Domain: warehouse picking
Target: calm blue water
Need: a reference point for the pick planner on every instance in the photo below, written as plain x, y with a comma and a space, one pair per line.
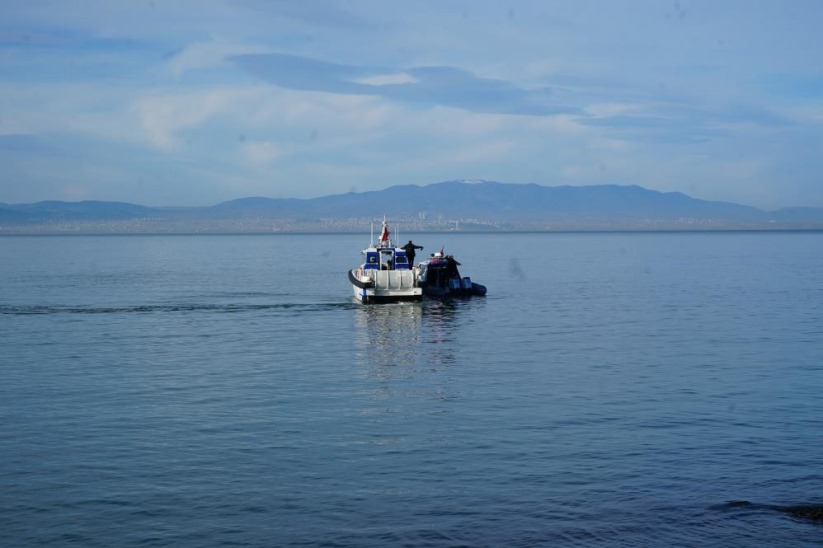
612, 389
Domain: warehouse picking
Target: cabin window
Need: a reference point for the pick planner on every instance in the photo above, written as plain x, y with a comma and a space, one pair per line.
371, 260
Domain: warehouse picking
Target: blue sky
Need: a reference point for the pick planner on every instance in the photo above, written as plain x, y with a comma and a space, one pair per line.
194, 102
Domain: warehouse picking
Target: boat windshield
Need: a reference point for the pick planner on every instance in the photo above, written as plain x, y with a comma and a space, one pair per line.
387, 259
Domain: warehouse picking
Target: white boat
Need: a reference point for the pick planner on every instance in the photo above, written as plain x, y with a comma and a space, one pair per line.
386, 274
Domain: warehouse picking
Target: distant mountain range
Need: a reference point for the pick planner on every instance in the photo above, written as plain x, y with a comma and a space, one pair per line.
480, 205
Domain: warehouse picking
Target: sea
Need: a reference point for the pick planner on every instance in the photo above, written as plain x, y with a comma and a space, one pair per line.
611, 389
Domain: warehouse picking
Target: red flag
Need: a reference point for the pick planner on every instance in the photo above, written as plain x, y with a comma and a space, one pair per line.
384, 237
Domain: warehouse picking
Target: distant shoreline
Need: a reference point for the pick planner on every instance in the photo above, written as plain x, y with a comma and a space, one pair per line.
451, 206
44, 233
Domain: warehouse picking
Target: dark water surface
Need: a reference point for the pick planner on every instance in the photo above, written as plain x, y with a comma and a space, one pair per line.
612, 389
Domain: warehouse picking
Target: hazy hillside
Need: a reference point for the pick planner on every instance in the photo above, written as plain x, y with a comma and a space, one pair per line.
496, 202
479, 205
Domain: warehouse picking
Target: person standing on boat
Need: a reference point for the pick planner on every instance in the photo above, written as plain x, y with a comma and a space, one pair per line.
409, 248
451, 267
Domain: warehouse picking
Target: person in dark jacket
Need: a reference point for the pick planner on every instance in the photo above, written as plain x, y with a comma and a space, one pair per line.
409, 248
451, 267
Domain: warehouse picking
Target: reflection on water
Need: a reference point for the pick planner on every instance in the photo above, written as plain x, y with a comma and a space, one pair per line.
412, 335
388, 335
402, 348
439, 318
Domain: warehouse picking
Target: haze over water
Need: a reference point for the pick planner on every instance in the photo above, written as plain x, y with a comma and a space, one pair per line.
611, 389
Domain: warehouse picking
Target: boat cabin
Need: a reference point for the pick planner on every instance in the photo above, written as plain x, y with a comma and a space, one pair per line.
439, 271
386, 258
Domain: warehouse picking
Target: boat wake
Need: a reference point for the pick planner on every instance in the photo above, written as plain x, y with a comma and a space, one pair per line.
23, 310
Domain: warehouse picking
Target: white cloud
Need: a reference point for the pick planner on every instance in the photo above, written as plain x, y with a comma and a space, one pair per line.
262, 153
164, 116
387, 79
208, 55
612, 109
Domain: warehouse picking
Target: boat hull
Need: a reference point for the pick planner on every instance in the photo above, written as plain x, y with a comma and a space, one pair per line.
435, 292
385, 286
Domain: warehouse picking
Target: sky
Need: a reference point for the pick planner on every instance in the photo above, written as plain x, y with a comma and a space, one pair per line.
195, 102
